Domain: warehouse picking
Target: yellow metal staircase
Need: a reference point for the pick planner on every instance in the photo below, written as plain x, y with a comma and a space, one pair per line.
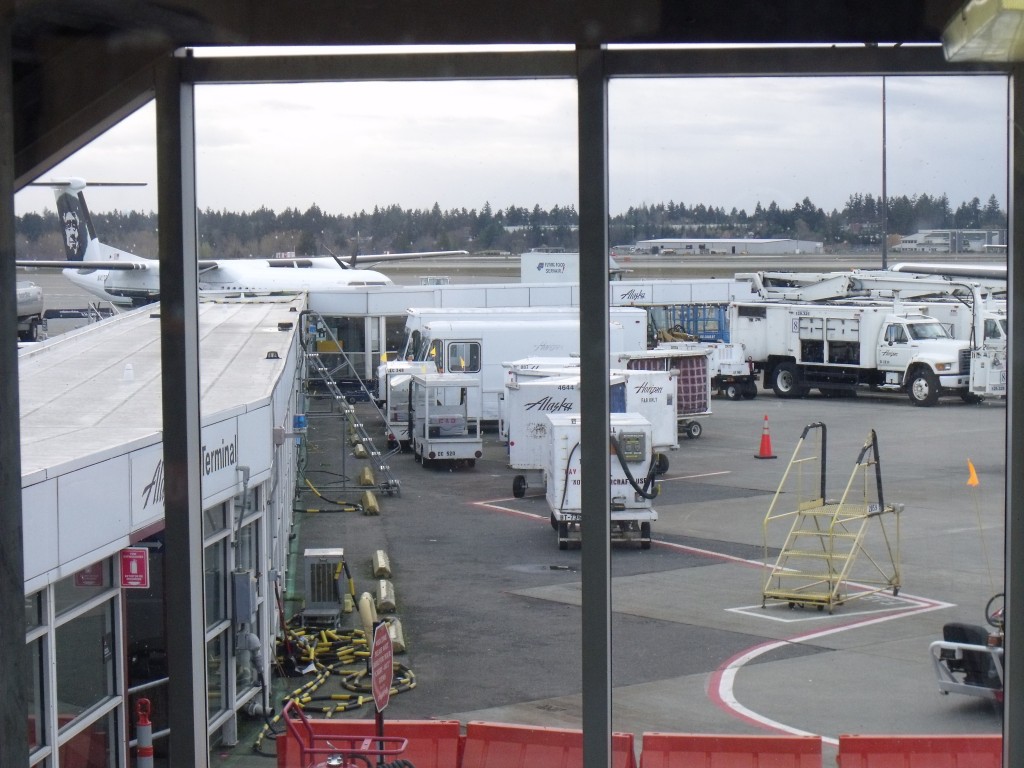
824, 559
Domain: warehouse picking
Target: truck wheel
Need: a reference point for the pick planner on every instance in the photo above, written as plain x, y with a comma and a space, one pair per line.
923, 387
786, 381
519, 486
732, 391
645, 535
749, 390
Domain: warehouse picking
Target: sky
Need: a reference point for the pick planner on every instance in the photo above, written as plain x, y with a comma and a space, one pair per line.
730, 143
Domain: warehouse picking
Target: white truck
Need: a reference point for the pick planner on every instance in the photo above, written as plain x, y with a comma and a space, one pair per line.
970, 308
479, 346
30, 310
838, 348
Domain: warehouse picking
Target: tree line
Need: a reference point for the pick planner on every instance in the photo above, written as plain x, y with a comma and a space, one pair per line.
515, 229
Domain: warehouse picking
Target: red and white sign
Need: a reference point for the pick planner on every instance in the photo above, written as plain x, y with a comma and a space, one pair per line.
382, 657
135, 568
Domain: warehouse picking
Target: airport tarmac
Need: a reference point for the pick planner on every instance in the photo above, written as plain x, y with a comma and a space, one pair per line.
490, 607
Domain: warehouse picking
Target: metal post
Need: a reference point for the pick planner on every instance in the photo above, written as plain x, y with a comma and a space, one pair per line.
14, 702
1013, 670
179, 338
595, 557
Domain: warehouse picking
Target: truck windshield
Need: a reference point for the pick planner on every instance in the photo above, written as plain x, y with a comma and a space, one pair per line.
921, 331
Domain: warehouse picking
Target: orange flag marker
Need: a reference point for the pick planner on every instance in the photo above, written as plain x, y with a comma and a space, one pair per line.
972, 479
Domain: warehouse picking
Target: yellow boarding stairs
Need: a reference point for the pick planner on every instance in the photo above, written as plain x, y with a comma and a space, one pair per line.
825, 559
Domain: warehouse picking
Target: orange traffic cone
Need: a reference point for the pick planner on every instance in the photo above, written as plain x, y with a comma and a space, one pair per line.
766, 442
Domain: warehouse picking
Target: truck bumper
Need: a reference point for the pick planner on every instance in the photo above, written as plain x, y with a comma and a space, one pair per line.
955, 381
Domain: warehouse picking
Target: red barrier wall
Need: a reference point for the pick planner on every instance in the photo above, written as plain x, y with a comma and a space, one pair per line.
924, 751
432, 743
497, 745
679, 750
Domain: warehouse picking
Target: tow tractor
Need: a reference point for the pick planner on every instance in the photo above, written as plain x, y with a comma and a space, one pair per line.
969, 658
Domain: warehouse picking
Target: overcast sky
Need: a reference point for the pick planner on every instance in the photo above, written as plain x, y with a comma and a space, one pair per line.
731, 143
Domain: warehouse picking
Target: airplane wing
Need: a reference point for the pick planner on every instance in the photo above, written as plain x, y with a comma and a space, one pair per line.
376, 258
113, 265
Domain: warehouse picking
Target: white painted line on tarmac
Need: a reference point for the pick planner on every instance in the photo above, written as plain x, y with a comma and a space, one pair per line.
722, 684
781, 612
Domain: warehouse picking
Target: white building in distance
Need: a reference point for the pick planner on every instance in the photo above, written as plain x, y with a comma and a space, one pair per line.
709, 246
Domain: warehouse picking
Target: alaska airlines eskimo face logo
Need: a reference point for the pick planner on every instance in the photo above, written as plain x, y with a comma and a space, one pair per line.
633, 294
548, 404
69, 209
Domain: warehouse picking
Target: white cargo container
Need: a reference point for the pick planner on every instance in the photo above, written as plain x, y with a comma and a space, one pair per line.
529, 401
693, 383
632, 487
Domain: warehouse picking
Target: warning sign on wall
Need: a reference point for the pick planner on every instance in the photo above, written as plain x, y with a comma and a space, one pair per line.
135, 568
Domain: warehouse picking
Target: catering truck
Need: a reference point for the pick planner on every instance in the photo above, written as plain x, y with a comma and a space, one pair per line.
838, 348
479, 346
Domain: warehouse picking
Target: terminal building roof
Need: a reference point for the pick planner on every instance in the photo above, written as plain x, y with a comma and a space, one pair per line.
88, 394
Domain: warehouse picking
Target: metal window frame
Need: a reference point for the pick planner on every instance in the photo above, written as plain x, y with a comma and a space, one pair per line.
592, 68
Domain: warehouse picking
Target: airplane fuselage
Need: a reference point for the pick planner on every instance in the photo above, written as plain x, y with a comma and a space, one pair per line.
138, 287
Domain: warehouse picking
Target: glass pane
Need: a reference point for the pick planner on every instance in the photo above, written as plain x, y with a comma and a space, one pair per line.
214, 519
95, 747
720, 177
34, 685
215, 671
215, 568
34, 611
83, 585
85, 660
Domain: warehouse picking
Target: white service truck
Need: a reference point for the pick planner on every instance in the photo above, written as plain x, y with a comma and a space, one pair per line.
838, 348
479, 346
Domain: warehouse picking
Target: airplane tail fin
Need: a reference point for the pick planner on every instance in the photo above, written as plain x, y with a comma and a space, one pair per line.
81, 243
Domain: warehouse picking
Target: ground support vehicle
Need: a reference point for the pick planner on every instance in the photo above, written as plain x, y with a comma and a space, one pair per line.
480, 346
30, 310
972, 310
693, 383
530, 399
392, 396
840, 347
632, 489
444, 419
969, 658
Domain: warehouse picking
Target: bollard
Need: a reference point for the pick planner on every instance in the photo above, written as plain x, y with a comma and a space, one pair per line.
143, 735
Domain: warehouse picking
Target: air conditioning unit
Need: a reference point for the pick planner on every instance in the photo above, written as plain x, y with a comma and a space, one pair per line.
324, 571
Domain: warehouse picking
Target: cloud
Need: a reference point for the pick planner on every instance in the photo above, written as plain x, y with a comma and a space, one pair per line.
728, 142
